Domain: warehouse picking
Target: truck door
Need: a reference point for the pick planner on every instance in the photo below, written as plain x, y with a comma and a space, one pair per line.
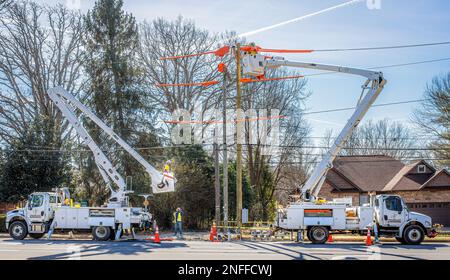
36, 208
393, 211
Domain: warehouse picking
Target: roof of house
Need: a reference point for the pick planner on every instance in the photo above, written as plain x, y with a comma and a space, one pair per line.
383, 173
408, 180
439, 179
369, 173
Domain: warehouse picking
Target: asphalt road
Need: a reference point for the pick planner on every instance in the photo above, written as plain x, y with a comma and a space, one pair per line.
198, 250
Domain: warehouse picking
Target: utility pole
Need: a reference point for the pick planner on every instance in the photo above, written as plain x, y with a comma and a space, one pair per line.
217, 181
238, 145
226, 75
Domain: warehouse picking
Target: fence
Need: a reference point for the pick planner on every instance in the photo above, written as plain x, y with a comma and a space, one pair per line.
5, 207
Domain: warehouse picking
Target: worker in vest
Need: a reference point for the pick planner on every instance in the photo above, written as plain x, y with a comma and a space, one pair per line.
178, 222
167, 166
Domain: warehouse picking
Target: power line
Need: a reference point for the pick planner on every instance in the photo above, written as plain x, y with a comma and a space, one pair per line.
384, 47
410, 63
376, 105
187, 146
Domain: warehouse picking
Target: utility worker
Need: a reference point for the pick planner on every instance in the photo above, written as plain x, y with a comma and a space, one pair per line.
167, 166
178, 222
166, 170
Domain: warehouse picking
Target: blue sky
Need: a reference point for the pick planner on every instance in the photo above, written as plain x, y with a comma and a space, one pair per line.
397, 22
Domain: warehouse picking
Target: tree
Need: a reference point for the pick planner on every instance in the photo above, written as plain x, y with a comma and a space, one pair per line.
39, 49
162, 38
194, 191
383, 137
115, 94
433, 117
27, 170
268, 172
247, 192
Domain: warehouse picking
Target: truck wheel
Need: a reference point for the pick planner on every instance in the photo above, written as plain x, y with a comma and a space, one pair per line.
413, 235
400, 239
36, 235
18, 230
318, 235
101, 233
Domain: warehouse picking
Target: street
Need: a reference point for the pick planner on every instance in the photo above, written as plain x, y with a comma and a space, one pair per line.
198, 250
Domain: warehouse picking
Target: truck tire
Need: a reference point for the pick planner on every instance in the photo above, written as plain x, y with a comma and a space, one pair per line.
18, 230
401, 240
36, 235
101, 233
413, 235
318, 234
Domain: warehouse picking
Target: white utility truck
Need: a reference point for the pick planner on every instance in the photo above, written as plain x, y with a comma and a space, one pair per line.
48, 211
387, 214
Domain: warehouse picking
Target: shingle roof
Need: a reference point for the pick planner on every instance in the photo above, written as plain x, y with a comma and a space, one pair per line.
383, 173
369, 173
434, 181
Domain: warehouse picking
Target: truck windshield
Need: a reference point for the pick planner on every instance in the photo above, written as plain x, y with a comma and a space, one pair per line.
37, 200
394, 203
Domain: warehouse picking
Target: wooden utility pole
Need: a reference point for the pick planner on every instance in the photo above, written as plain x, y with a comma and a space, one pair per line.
217, 181
226, 75
239, 145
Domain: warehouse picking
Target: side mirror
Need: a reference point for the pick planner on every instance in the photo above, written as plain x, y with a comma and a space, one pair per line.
29, 206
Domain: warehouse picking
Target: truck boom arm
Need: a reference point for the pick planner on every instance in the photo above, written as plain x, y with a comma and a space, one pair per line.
64, 101
255, 64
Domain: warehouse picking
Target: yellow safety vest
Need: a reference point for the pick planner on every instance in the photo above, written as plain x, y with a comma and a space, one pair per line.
175, 217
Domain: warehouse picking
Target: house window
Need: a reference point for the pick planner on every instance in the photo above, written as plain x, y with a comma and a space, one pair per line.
421, 168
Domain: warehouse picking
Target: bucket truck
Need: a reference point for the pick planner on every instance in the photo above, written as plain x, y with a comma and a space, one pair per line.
318, 217
48, 211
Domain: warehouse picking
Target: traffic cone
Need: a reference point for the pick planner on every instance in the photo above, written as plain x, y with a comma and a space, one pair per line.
213, 232
156, 239
330, 238
369, 238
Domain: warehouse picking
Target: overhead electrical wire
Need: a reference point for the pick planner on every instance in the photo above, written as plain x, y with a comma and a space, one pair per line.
384, 47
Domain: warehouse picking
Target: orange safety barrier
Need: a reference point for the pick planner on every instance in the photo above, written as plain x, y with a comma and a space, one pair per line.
203, 84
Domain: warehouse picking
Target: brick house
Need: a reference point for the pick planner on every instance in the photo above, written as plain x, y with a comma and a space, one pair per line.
424, 189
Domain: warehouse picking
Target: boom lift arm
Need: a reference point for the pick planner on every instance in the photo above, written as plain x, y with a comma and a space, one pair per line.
161, 182
255, 64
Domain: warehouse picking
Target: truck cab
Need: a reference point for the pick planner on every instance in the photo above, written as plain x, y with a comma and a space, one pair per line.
35, 218
394, 219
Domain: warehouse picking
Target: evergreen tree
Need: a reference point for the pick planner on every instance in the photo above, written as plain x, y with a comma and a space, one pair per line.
111, 42
194, 190
34, 162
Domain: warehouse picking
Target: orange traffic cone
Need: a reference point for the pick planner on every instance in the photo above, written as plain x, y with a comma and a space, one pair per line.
330, 238
369, 238
156, 239
213, 232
